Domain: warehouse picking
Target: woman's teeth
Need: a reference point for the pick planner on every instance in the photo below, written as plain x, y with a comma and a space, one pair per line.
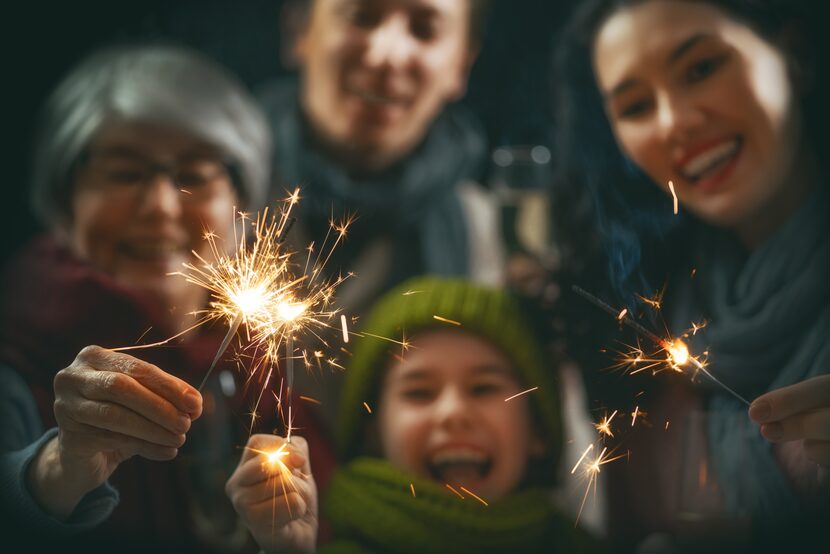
711, 160
459, 466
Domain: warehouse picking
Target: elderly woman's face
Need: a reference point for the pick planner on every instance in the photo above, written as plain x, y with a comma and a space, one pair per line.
377, 72
134, 222
698, 98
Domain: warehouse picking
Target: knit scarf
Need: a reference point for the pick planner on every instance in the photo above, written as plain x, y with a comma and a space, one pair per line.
769, 327
413, 202
372, 509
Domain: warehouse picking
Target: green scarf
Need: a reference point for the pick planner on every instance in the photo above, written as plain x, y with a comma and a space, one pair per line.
371, 507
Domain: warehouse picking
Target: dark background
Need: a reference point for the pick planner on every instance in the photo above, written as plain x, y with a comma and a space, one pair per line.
509, 87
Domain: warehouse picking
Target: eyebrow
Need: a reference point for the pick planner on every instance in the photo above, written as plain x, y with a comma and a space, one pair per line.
685, 46
675, 55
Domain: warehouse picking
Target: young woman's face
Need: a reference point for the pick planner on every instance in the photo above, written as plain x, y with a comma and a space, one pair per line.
698, 98
442, 415
377, 72
130, 219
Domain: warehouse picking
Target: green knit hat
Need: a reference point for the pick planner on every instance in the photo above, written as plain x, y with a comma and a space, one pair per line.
411, 308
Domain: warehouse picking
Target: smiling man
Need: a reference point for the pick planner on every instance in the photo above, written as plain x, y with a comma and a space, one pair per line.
371, 129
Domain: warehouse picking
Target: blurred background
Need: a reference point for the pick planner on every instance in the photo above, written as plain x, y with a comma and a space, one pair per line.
509, 87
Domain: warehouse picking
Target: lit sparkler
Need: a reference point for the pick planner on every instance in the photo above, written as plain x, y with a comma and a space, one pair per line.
677, 352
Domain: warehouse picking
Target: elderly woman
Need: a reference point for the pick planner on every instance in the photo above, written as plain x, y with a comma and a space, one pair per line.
141, 151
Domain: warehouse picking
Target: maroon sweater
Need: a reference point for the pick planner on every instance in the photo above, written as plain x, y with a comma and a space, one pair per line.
51, 306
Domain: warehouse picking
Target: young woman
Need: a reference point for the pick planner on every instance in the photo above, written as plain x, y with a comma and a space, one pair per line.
722, 101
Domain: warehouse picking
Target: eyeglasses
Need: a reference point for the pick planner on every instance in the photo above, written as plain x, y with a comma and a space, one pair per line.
132, 171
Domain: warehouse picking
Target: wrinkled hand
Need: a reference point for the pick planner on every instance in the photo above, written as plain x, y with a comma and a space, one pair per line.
109, 407
798, 412
276, 495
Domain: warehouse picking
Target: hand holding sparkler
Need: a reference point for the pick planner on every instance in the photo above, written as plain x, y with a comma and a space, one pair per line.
109, 407
797, 412
274, 492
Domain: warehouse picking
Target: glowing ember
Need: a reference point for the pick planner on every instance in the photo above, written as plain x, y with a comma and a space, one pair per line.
678, 352
674, 198
520, 394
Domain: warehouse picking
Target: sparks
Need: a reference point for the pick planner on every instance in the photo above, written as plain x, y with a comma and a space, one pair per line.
368, 409
677, 353
520, 393
309, 399
604, 426
344, 327
635, 413
474, 495
622, 315
458, 494
412, 488
591, 472
674, 198
445, 320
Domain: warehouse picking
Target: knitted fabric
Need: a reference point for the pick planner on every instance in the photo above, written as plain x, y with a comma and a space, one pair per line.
372, 509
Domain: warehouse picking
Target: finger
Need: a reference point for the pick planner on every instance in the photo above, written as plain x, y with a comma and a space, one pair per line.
814, 424
784, 402
281, 511
261, 445
183, 396
274, 487
261, 468
818, 452
112, 417
85, 440
119, 388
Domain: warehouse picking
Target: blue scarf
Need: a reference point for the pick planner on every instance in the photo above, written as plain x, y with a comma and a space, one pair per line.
769, 327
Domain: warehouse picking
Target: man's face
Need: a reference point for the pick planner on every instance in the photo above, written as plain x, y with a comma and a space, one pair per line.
376, 73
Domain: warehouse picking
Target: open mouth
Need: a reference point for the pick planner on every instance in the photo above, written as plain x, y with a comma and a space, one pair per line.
459, 465
375, 98
150, 252
709, 162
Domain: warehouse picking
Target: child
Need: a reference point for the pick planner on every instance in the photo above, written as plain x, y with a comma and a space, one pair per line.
440, 457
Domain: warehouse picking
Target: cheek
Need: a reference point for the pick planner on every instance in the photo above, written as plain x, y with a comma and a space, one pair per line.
96, 226
403, 431
641, 144
216, 215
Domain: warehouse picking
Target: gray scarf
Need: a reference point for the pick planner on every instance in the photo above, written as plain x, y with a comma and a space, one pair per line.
415, 199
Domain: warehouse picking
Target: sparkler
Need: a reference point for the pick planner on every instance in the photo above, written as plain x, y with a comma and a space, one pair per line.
677, 351
259, 286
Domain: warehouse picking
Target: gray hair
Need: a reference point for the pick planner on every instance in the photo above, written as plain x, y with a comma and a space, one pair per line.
169, 85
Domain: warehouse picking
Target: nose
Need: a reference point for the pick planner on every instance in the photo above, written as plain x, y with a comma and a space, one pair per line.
452, 411
161, 197
678, 116
390, 43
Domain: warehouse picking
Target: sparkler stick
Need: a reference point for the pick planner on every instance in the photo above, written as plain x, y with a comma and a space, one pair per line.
289, 369
677, 349
237, 321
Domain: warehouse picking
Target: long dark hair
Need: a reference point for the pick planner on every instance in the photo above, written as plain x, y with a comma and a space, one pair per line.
606, 207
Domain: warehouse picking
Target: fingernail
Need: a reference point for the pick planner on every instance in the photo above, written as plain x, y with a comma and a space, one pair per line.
193, 398
760, 410
772, 431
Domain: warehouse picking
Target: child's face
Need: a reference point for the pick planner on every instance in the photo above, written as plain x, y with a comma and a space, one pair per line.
442, 415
